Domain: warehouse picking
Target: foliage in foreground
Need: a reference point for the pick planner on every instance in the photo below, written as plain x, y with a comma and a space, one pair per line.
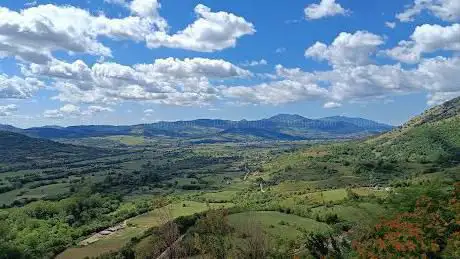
432, 230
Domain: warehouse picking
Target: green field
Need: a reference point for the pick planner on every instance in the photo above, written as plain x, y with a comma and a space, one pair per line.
328, 196
174, 210
129, 140
365, 191
279, 225
223, 196
7, 198
47, 190
294, 186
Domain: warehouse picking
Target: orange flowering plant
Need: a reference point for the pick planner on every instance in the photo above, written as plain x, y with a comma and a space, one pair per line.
431, 230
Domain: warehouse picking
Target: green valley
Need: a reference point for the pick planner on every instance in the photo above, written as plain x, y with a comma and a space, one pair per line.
270, 199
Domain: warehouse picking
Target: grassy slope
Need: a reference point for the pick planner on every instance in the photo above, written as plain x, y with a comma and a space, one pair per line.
278, 225
432, 141
431, 135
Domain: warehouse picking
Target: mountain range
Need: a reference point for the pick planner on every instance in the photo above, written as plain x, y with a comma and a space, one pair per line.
432, 136
279, 127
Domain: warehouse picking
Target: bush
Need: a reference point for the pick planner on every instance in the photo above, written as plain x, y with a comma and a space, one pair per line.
424, 232
331, 219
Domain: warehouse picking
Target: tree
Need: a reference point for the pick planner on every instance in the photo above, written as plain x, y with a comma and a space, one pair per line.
256, 243
326, 246
169, 233
211, 235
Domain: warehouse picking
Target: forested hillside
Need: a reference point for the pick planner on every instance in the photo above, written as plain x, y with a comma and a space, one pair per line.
20, 151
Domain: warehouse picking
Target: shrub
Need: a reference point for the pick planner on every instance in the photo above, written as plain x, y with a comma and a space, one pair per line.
425, 232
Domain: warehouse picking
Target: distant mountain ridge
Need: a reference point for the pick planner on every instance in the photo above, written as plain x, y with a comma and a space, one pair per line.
278, 127
369, 124
9, 128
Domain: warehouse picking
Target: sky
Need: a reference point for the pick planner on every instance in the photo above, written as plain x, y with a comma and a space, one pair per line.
122, 62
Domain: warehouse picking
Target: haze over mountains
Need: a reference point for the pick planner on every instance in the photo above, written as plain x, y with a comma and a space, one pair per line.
278, 127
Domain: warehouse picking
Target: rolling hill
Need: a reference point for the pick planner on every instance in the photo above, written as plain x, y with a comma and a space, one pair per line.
429, 143
279, 127
17, 149
432, 136
4, 127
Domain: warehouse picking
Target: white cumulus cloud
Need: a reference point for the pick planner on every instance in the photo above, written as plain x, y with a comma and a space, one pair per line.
427, 38
332, 105
354, 77
292, 86
70, 110
18, 88
347, 49
169, 81
35, 33
145, 8
66, 110
211, 31
255, 63
441, 97
447, 10
324, 9
390, 25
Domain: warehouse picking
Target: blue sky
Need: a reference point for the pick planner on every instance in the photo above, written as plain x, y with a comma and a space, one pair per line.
139, 61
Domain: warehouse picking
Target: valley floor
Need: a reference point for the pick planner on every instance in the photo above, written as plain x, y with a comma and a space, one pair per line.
234, 200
